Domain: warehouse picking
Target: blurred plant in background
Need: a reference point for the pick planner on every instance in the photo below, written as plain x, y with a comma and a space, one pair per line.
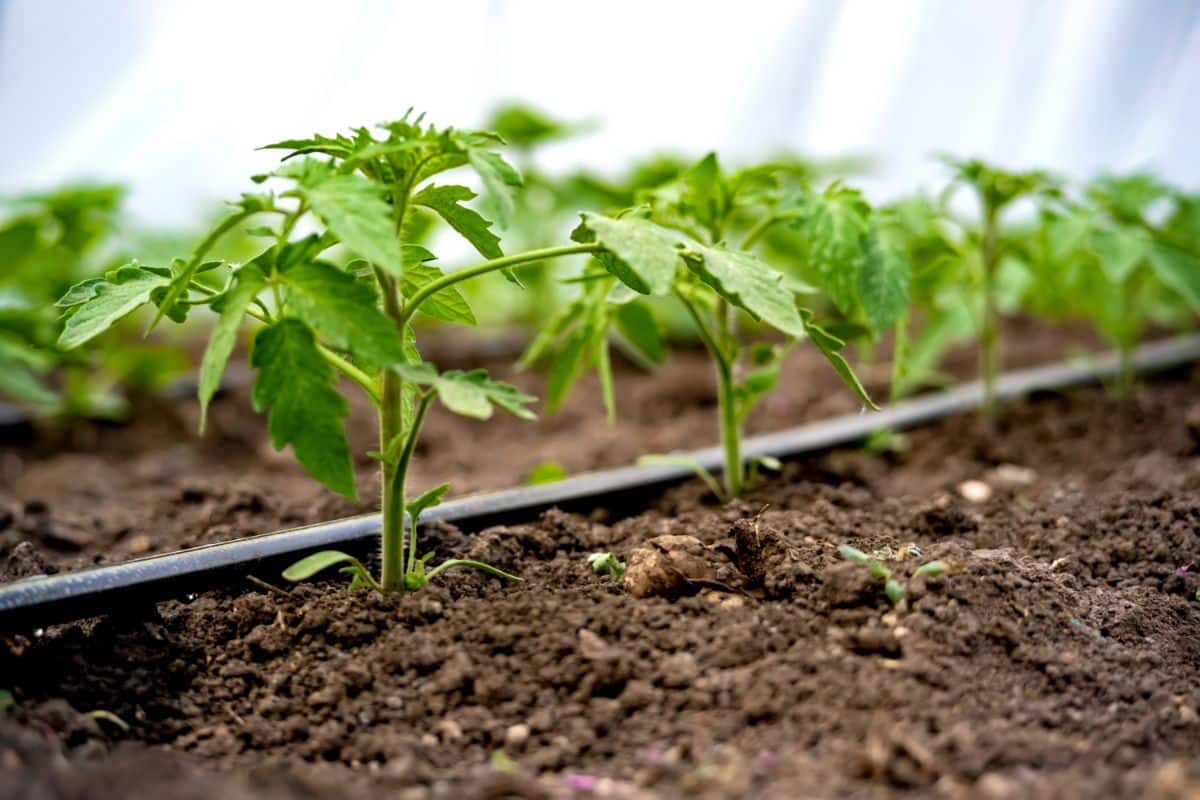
49, 241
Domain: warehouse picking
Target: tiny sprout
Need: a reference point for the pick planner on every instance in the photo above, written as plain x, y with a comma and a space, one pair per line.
602, 563
108, 716
7, 700
546, 472
502, 763
894, 590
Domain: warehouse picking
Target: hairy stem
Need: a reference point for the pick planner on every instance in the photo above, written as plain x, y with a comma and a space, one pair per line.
731, 434
391, 425
410, 445
495, 264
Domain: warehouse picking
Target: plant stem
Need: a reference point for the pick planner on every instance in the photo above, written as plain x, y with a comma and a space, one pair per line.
899, 358
391, 425
989, 335
763, 225
731, 434
432, 288
410, 445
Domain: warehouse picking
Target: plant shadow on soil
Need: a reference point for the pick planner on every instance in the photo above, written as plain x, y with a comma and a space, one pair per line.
1057, 657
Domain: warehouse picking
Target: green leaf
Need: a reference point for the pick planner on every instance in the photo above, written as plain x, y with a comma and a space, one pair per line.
749, 283
546, 472
448, 305
1179, 271
883, 285
1119, 251
929, 570
643, 255
20, 362
447, 201
344, 311
308, 566
637, 324
894, 591
830, 346
427, 500
80, 293
550, 331
499, 178
353, 209
297, 385
473, 394
836, 223
339, 146
121, 292
852, 554
247, 283
569, 363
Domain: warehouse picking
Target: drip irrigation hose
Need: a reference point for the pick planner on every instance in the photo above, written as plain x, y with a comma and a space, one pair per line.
44, 600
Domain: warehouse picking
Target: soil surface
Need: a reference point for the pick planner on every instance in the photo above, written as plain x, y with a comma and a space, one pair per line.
91, 494
1054, 655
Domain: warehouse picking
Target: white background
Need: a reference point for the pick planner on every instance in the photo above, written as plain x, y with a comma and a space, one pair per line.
173, 96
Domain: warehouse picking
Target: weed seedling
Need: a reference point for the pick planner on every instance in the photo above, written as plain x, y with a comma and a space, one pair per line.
894, 590
602, 563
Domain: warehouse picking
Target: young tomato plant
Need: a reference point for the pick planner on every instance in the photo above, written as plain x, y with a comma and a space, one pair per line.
1106, 259
316, 319
996, 191
676, 245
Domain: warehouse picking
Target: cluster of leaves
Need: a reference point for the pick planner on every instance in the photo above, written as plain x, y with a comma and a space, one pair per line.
676, 245
1120, 252
48, 241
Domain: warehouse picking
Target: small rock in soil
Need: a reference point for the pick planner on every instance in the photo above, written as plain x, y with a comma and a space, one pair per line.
673, 565
140, 544
975, 491
1010, 477
516, 735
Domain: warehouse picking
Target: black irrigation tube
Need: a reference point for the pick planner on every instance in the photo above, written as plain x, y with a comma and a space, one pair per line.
36, 602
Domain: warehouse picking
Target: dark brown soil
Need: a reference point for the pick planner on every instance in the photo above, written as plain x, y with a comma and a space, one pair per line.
93, 494
1057, 656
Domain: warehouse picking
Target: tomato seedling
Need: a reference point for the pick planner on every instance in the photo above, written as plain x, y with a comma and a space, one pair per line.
319, 316
996, 190
675, 245
1105, 257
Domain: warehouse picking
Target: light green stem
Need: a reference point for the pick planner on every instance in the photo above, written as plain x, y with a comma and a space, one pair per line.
410, 445
731, 434
495, 264
989, 337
